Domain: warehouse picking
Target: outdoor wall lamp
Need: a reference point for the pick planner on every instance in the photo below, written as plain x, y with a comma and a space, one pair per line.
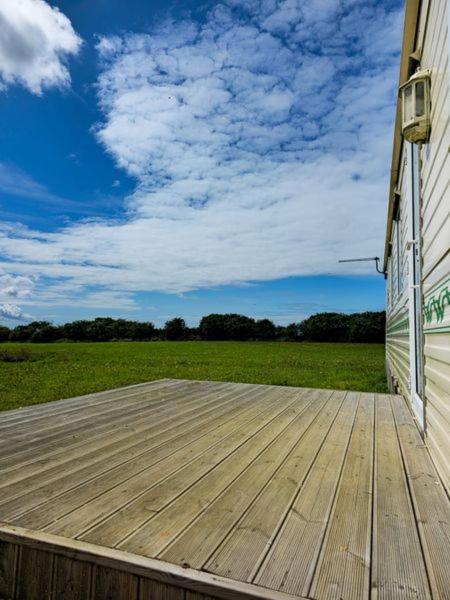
415, 102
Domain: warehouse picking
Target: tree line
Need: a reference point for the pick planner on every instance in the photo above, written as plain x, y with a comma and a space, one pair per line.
366, 327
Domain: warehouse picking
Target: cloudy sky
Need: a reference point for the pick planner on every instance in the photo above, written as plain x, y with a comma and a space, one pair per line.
179, 157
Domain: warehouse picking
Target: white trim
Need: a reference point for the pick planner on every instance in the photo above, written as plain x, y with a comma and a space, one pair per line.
414, 327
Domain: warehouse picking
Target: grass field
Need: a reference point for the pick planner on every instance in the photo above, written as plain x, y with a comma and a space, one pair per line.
63, 370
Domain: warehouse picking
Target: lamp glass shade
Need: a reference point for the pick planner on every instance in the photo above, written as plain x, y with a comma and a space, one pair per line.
408, 104
420, 99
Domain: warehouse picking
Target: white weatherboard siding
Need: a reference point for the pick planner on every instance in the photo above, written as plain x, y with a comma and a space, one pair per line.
435, 173
397, 334
427, 34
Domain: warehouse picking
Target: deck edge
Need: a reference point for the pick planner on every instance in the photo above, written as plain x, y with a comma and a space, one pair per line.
133, 564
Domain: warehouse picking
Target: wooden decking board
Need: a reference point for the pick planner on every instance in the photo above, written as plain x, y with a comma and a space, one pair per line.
138, 425
150, 590
398, 567
154, 535
430, 502
76, 490
33, 415
83, 434
199, 542
258, 527
204, 585
8, 561
69, 476
111, 584
41, 428
134, 438
129, 446
35, 574
124, 522
167, 478
20, 415
71, 579
289, 566
273, 492
109, 418
343, 569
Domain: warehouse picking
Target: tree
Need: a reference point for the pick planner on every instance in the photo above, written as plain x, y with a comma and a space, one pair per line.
227, 327
24, 333
240, 328
4, 333
322, 327
326, 327
48, 333
292, 332
213, 327
76, 330
142, 331
175, 329
265, 330
367, 327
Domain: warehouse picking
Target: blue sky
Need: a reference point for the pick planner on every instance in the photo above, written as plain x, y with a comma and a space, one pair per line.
180, 158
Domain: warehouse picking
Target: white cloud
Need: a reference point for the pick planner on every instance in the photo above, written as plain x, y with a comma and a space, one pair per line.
12, 312
15, 286
257, 154
35, 41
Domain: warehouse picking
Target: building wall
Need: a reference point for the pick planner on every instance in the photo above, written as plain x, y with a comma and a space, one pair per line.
433, 41
397, 330
435, 175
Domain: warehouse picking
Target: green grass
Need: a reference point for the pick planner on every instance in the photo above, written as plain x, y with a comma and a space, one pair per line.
62, 370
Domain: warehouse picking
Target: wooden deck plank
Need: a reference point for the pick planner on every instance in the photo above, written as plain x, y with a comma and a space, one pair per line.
72, 476
290, 563
398, 567
155, 534
431, 505
343, 569
34, 579
200, 540
76, 490
155, 590
167, 477
160, 491
258, 528
267, 488
8, 561
47, 425
156, 570
87, 460
33, 415
111, 584
106, 420
72, 579
141, 424
23, 414
122, 422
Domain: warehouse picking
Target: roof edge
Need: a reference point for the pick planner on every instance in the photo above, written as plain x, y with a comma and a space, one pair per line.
412, 11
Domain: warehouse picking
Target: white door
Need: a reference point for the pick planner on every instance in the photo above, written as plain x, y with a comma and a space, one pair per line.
415, 284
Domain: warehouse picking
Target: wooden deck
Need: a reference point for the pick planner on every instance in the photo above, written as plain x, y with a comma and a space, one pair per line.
183, 489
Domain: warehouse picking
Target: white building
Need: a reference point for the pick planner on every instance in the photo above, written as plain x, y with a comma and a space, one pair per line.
417, 252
